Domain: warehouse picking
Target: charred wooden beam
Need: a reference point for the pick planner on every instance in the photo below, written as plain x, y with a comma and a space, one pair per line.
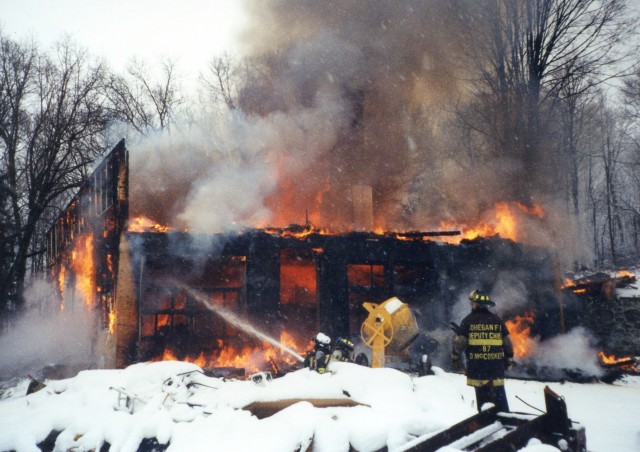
420, 235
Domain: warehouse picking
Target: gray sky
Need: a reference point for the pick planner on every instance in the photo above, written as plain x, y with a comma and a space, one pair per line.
189, 31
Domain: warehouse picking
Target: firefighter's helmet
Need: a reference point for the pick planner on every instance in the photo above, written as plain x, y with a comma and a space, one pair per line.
481, 298
322, 339
344, 343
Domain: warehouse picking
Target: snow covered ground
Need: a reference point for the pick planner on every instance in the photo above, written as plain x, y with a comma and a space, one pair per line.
177, 404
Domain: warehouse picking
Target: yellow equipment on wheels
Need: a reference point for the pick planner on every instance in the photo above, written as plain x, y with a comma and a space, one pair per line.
390, 325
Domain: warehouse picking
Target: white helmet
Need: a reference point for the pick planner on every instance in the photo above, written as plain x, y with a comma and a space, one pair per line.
323, 339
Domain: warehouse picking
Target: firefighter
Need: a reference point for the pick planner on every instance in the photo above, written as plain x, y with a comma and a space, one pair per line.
342, 349
484, 338
318, 358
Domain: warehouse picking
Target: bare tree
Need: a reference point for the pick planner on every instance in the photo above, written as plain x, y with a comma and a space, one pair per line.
577, 112
610, 150
220, 82
631, 95
530, 53
52, 120
144, 101
612, 190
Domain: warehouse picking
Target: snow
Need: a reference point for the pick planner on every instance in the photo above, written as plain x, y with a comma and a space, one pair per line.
178, 405
393, 304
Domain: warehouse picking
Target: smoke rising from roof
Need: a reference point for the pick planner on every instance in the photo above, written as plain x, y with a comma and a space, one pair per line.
341, 94
218, 174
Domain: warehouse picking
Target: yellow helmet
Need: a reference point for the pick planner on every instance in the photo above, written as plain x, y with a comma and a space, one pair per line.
481, 298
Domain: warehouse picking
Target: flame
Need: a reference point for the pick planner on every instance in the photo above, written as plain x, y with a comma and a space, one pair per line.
110, 263
520, 332
610, 359
145, 224
598, 282
83, 266
502, 220
112, 322
624, 274
163, 320
627, 363
251, 358
254, 358
61, 284
168, 355
297, 279
535, 210
567, 284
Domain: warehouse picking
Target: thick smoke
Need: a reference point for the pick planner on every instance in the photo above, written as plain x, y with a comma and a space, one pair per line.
396, 65
218, 173
574, 350
346, 94
343, 100
411, 63
40, 339
341, 94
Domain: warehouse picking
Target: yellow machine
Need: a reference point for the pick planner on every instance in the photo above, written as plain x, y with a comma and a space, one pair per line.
390, 326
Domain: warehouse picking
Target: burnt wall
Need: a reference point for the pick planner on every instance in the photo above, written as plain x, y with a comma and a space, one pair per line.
350, 269
488, 262
615, 322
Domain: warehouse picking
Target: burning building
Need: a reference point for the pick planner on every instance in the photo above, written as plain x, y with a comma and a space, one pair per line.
157, 291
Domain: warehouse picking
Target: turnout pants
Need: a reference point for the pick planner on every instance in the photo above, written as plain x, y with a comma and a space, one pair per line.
489, 393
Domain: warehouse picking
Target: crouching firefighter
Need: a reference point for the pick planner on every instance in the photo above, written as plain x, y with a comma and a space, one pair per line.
342, 350
318, 358
484, 338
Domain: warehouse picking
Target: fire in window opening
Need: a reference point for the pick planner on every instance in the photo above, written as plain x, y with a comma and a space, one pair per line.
299, 290
366, 276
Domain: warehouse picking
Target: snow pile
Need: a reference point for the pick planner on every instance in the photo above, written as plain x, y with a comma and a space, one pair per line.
176, 403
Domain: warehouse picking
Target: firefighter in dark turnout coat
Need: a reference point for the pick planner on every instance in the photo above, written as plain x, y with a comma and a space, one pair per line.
484, 338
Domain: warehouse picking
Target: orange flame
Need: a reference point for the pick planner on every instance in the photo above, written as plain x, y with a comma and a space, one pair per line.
568, 283
110, 262
502, 221
61, 284
144, 224
82, 263
627, 364
520, 331
112, 322
250, 358
608, 359
624, 274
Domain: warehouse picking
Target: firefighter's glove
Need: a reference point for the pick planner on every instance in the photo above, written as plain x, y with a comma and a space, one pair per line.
509, 363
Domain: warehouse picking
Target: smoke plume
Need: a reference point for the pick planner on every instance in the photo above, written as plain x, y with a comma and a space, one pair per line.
342, 95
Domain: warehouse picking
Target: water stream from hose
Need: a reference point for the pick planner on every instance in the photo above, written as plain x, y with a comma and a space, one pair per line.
233, 319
